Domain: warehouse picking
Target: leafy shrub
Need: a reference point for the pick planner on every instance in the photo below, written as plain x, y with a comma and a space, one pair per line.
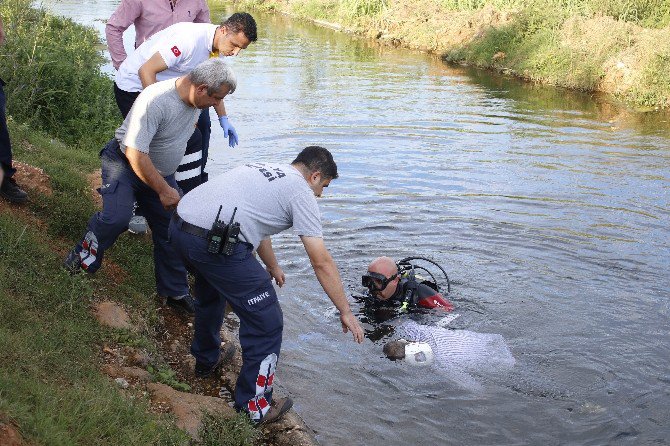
167, 376
52, 69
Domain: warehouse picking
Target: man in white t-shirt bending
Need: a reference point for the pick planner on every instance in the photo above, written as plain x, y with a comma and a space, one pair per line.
264, 199
173, 52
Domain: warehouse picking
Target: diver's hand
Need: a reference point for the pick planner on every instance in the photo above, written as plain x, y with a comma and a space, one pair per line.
350, 323
277, 274
228, 131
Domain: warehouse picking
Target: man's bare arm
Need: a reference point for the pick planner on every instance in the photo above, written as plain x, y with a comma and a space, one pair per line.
329, 278
145, 170
267, 255
151, 68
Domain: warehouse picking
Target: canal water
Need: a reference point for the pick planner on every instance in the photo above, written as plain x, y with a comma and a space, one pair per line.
548, 209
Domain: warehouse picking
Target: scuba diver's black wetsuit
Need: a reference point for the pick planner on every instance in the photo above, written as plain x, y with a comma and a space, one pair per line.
411, 293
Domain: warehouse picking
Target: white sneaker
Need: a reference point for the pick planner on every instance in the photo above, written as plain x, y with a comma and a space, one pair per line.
138, 225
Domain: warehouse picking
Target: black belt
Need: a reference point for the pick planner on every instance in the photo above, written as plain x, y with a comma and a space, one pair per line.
189, 228
197, 230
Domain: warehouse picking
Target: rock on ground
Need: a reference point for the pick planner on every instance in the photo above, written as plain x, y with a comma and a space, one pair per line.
112, 315
188, 408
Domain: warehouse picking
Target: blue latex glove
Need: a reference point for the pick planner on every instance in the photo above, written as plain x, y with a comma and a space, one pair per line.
228, 131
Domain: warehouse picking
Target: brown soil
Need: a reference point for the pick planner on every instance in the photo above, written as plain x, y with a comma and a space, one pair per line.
95, 181
32, 179
9, 433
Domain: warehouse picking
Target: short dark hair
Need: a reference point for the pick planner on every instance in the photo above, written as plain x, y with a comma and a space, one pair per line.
242, 21
317, 159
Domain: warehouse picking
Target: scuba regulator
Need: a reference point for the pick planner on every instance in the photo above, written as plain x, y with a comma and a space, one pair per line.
407, 267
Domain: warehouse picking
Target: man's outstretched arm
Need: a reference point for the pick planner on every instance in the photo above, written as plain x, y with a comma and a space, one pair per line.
329, 278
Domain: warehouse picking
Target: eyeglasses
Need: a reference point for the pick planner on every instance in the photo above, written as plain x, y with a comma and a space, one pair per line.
376, 281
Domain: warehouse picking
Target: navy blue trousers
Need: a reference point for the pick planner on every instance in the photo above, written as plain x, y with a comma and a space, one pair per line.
241, 281
5, 144
121, 187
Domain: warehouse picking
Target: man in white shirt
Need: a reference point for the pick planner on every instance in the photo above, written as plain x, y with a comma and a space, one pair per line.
173, 52
149, 17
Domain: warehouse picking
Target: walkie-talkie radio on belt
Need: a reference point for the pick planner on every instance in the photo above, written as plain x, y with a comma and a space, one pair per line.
231, 236
222, 238
216, 235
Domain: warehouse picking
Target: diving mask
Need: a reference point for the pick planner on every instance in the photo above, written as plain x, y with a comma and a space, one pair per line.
376, 282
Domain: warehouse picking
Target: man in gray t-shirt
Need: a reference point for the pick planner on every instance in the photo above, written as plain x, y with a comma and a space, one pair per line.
139, 165
266, 199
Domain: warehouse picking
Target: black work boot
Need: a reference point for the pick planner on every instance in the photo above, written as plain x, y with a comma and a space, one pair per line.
205, 371
183, 304
11, 192
72, 262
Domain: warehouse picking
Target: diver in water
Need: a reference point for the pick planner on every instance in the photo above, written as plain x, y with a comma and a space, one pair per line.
397, 285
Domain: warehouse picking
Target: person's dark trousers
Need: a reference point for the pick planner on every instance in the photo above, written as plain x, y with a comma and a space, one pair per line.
121, 187
189, 172
205, 126
5, 143
241, 281
124, 99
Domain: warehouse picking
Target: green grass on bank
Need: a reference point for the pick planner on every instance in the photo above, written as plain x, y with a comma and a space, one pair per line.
50, 383
621, 47
646, 13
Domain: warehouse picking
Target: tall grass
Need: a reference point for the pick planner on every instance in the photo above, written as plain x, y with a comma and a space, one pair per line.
52, 67
648, 13
360, 8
